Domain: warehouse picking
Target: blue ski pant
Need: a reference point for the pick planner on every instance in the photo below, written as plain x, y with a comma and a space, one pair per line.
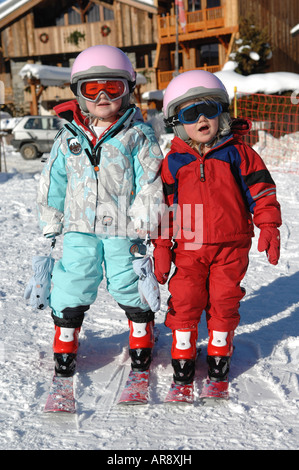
78, 274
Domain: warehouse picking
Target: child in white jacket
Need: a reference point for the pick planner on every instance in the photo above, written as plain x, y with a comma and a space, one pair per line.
102, 188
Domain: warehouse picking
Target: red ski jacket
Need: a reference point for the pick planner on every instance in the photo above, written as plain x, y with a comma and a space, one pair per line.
216, 197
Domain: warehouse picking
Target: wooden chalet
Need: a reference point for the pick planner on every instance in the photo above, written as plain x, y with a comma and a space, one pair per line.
52, 32
204, 43
210, 30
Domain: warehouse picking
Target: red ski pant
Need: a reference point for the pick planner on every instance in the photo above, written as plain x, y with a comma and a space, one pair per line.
208, 279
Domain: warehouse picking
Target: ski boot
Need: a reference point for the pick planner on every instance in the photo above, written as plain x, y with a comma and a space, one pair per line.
141, 342
220, 350
65, 349
183, 353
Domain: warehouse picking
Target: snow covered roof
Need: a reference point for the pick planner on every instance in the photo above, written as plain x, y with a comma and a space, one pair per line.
295, 30
148, 4
8, 9
49, 75
9, 6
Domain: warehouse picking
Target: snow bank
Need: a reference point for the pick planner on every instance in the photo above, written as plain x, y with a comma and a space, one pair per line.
279, 154
267, 83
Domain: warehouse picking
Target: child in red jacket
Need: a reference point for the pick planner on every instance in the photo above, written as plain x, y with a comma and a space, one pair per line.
216, 186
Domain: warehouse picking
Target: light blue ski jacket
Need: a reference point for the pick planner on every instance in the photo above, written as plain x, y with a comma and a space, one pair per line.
109, 186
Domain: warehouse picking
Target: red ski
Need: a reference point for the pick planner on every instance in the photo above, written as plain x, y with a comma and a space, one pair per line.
180, 393
61, 396
135, 391
214, 389
136, 388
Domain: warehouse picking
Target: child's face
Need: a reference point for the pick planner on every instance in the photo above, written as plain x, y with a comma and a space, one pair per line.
104, 109
202, 131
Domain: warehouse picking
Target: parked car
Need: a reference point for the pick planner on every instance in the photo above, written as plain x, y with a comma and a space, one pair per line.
34, 135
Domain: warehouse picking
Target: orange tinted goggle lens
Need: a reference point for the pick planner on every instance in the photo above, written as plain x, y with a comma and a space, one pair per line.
113, 89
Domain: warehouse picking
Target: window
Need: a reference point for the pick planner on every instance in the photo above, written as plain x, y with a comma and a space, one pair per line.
207, 54
93, 14
108, 14
194, 5
73, 16
33, 123
144, 60
173, 59
213, 3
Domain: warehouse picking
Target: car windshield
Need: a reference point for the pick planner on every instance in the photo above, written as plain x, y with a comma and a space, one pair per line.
42, 123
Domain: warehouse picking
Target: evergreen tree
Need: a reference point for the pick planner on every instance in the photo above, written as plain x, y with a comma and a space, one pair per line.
252, 50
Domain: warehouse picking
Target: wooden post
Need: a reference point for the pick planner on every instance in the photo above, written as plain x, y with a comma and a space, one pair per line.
33, 97
235, 102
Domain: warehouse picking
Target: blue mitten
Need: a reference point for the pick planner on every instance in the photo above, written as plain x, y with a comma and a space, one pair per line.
148, 286
39, 286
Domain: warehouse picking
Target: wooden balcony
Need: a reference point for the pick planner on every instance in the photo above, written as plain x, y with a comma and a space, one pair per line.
164, 78
201, 23
58, 38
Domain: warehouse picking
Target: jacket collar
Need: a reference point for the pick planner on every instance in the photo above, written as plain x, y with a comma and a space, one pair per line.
71, 112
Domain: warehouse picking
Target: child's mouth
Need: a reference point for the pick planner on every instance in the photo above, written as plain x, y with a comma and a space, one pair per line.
203, 128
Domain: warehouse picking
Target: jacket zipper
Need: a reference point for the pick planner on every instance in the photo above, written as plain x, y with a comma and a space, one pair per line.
96, 168
201, 165
202, 172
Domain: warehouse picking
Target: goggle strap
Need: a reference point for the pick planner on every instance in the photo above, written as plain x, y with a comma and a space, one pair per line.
172, 121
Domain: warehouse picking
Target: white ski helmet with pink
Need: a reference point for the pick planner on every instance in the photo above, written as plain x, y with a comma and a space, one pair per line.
188, 86
104, 62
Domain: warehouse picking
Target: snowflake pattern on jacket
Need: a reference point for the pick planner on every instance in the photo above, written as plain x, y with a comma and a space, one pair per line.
110, 186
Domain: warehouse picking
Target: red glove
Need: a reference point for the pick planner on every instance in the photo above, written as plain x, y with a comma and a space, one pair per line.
269, 241
162, 262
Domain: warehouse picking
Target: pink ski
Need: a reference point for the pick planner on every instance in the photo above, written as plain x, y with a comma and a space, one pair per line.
214, 389
180, 393
136, 389
61, 396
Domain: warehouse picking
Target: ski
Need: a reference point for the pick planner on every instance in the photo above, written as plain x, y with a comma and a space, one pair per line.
214, 390
180, 393
135, 391
61, 396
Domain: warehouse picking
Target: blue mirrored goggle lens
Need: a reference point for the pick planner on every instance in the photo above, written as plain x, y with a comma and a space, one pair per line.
192, 113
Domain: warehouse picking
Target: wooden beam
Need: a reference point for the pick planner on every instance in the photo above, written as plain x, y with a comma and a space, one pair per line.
200, 34
34, 109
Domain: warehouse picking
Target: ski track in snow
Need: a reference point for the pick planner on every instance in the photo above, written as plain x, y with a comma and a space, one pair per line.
262, 412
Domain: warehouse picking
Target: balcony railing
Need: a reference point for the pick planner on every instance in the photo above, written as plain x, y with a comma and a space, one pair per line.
165, 77
58, 39
201, 20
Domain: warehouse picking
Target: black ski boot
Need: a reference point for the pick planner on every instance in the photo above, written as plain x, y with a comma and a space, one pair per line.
140, 358
184, 371
65, 364
218, 367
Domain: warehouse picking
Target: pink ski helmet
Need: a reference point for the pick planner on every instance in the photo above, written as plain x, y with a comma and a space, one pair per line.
104, 62
191, 85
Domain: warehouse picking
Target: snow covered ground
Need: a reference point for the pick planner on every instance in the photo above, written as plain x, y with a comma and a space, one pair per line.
262, 413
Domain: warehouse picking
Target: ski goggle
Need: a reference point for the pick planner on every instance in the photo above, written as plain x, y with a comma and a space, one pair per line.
91, 90
191, 114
